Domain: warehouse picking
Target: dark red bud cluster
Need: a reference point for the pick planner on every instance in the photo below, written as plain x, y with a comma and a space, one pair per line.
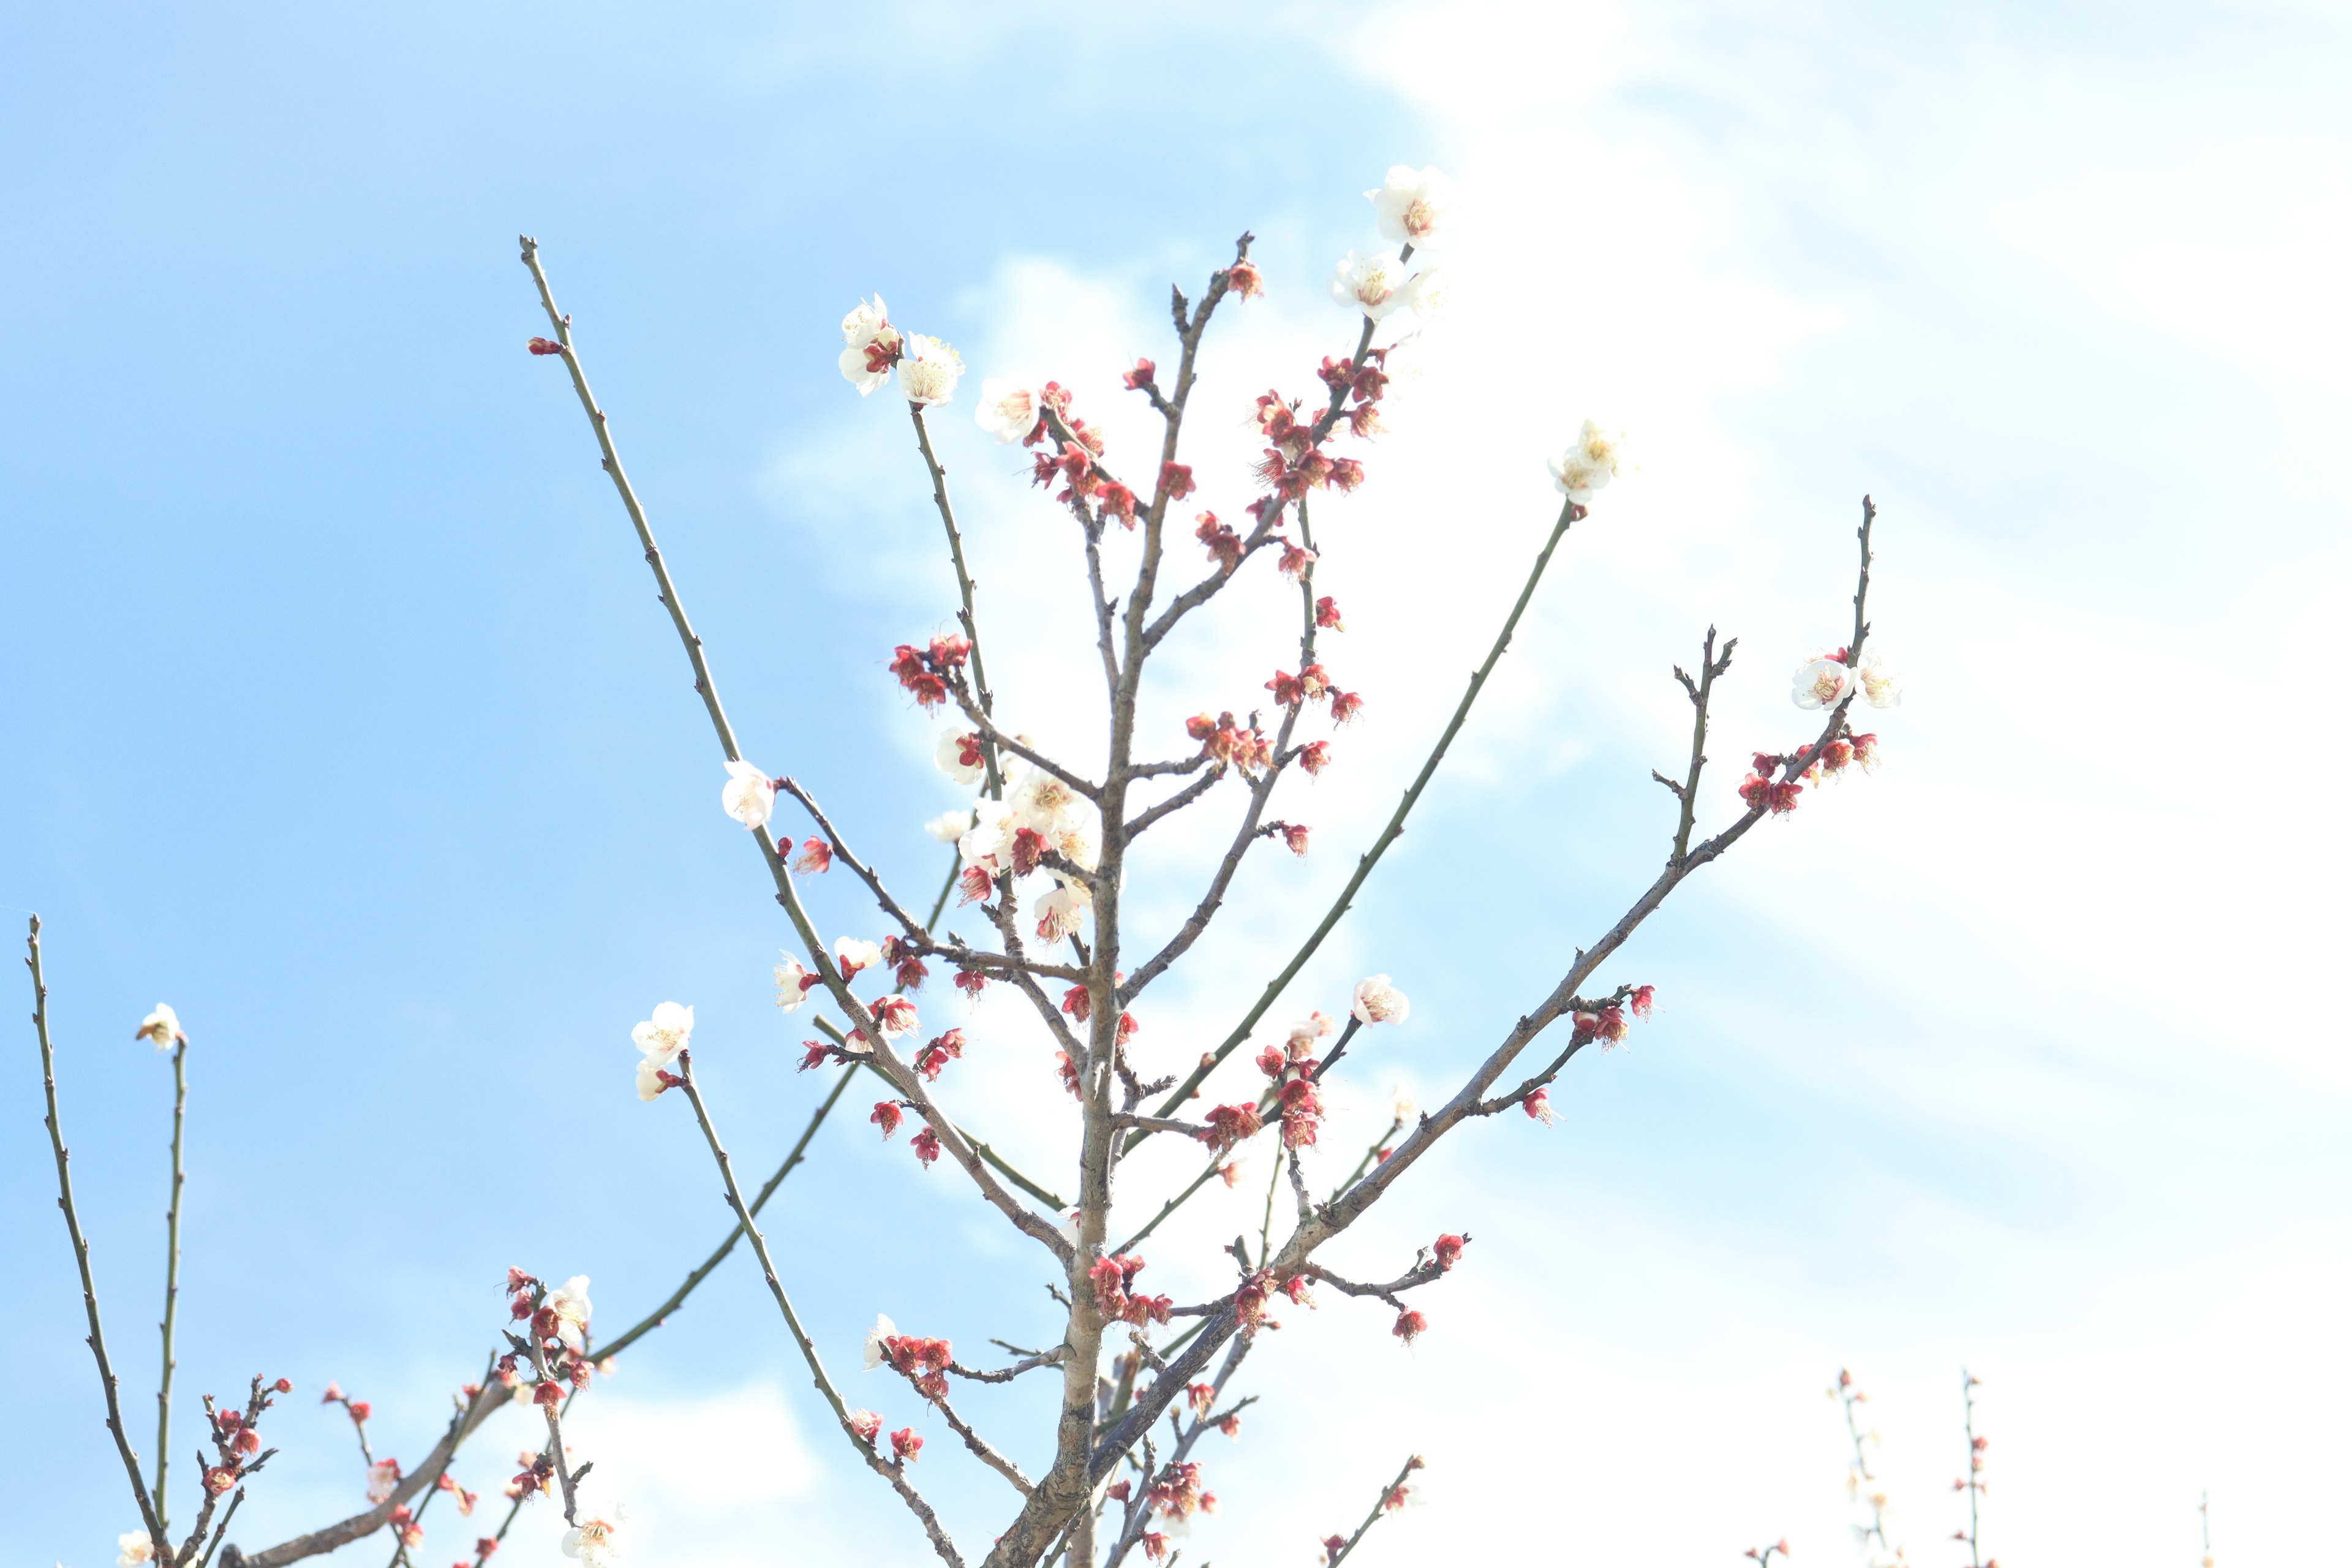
926, 671
1114, 1279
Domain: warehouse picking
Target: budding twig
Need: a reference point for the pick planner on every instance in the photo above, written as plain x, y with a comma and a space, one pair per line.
967, 588
1379, 1510
96, 1341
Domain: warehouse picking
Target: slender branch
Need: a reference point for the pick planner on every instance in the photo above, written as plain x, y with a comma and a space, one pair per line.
893, 1474
1395, 828
659, 1315
1213, 896
1380, 1508
1177, 802
220, 1531
171, 1280
96, 1341
905, 1082
1028, 1362
981, 1447
965, 586
1701, 692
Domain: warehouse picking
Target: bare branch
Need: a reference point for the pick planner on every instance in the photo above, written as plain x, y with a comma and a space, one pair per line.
869, 1452
97, 1340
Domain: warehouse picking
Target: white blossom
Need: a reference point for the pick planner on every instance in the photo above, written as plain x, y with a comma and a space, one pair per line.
984, 844
949, 755
649, 1080
1374, 284
790, 991
1060, 912
949, 827
928, 371
1008, 410
138, 1547
162, 1027
1307, 1031
1047, 806
383, 1479
884, 1328
1404, 1109
1426, 294
666, 1032
1589, 465
569, 1303
1879, 685
866, 327
595, 1541
1378, 1001
1822, 683
1414, 205
851, 954
748, 796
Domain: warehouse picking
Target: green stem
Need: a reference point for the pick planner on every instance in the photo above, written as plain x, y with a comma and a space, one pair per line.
171, 1278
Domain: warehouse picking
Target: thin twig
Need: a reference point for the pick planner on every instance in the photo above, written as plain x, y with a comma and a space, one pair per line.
1380, 1508
171, 1280
893, 1474
96, 1341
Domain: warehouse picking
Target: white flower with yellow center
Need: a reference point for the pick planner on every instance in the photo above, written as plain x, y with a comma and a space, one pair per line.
595, 1541
1414, 205
1374, 284
1061, 913
1823, 683
1378, 1001
1008, 410
669, 1031
162, 1027
748, 796
1878, 684
928, 372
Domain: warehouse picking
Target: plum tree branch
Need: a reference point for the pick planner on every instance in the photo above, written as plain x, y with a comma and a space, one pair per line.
96, 1341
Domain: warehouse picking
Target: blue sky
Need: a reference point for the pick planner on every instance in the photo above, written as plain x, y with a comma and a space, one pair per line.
341, 717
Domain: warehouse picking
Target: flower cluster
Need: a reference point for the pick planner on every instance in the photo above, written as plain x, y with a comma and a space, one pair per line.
1290, 1068
1313, 683
928, 672
1833, 678
924, 1362
1227, 741
927, 369
1766, 790
557, 1341
1116, 1298
1042, 823
1294, 461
